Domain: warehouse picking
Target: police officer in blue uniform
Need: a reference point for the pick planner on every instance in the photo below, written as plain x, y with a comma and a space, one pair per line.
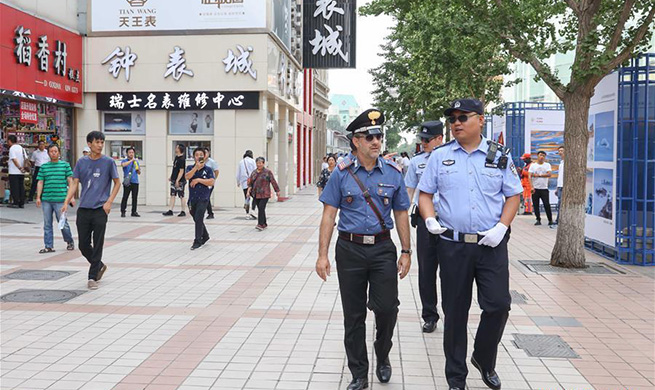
478, 189
431, 136
366, 188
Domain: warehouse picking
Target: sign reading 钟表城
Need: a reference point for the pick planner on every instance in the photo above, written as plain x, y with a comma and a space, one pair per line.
329, 33
28, 112
179, 101
170, 15
39, 60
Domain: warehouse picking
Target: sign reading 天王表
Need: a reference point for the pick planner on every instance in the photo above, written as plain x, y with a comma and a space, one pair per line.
170, 15
329, 33
179, 101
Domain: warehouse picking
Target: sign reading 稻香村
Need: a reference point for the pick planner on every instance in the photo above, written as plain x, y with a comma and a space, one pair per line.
39, 60
169, 15
329, 33
178, 101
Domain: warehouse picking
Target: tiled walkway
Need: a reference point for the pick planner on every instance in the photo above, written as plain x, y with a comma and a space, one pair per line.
248, 312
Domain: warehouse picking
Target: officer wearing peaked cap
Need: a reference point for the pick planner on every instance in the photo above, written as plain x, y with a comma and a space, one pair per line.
366, 189
478, 191
431, 136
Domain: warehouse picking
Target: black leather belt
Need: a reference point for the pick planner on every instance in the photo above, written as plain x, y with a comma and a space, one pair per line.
469, 238
364, 239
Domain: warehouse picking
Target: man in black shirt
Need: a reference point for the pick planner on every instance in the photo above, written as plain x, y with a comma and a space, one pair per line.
177, 180
201, 179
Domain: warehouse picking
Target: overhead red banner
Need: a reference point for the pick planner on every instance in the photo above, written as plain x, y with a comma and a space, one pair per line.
39, 58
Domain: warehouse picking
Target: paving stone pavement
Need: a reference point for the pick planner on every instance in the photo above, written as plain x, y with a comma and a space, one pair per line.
248, 312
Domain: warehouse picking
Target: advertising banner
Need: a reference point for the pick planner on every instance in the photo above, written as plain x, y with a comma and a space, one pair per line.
203, 100
124, 122
329, 34
28, 112
169, 15
601, 162
544, 131
498, 129
39, 60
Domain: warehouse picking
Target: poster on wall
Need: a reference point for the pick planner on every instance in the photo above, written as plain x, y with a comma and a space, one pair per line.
601, 162
167, 15
191, 122
498, 129
124, 122
544, 131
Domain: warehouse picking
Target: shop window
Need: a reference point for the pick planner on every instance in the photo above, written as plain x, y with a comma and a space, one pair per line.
118, 149
124, 122
191, 122
190, 146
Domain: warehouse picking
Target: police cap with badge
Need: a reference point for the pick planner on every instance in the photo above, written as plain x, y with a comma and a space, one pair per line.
464, 105
367, 123
430, 129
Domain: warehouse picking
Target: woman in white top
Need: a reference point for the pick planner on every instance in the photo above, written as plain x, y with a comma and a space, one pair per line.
244, 169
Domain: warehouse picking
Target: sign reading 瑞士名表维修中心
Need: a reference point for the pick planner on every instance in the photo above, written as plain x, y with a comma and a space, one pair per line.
329, 33
168, 15
177, 101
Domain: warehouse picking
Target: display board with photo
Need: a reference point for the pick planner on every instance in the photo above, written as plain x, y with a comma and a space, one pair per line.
191, 122
124, 122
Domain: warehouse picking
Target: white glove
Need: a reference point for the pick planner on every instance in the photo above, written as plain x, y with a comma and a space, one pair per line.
433, 226
493, 236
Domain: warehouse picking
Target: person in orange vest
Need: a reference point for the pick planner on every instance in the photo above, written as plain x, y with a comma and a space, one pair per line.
527, 186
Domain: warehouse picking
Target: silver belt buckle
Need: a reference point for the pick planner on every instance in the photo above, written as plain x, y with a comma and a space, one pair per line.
471, 238
369, 240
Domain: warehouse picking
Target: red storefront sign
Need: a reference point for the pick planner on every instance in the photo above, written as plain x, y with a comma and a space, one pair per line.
39, 58
28, 112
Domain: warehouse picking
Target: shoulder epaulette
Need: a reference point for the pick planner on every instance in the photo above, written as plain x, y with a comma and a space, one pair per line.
393, 164
442, 145
345, 163
419, 153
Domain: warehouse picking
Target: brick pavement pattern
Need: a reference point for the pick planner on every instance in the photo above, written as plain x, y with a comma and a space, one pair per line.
248, 312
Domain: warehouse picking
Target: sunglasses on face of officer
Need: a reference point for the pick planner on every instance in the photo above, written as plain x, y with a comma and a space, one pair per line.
369, 137
461, 118
428, 140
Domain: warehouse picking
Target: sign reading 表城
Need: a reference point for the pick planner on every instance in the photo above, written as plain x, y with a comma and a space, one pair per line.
178, 101
39, 60
329, 33
169, 15
28, 112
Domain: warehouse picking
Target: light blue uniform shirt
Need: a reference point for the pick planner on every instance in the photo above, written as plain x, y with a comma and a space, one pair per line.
471, 195
415, 170
384, 183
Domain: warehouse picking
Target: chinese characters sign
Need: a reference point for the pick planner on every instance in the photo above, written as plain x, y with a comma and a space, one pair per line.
170, 15
28, 112
329, 33
240, 62
41, 59
179, 101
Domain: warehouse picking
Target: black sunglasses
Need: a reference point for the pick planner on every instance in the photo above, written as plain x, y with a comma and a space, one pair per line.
369, 137
427, 140
461, 118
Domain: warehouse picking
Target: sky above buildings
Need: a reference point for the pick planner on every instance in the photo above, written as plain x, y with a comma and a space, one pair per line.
371, 31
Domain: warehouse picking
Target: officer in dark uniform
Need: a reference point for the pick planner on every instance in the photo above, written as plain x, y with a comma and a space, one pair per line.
478, 189
367, 188
431, 136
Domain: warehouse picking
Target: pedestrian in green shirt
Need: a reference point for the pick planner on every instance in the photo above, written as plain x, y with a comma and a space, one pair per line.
54, 178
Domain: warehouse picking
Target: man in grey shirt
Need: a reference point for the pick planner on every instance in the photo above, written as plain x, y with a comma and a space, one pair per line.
95, 172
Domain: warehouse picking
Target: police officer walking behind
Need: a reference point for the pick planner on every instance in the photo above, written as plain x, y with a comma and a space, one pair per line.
431, 135
478, 198
366, 188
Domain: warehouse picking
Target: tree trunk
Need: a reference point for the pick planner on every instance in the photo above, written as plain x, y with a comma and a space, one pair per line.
569, 249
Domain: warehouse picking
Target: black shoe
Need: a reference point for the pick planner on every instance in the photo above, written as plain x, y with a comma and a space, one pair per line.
21, 206
204, 240
429, 326
456, 388
538, 223
13, 206
490, 378
383, 371
195, 245
358, 384
551, 223
168, 213
135, 214
527, 213
181, 214
210, 216
122, 214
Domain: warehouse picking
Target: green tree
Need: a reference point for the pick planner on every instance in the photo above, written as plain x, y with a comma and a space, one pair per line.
602, 34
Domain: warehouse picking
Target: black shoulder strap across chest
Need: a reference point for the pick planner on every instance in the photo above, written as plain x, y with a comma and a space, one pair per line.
367, 196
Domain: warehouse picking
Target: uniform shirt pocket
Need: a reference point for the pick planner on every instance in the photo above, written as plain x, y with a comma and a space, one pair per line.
446, 179
491, 181
386, 192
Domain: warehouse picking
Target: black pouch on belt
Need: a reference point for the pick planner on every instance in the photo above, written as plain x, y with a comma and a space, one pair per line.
413, 219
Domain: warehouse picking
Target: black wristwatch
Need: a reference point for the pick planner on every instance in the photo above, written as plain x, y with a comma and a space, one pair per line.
408, 251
